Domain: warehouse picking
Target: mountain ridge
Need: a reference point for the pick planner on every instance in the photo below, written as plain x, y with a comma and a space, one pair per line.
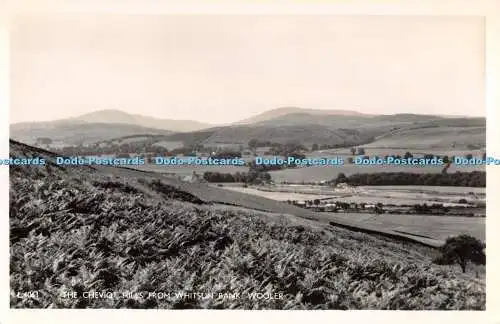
308, 126
282, 111
115, 116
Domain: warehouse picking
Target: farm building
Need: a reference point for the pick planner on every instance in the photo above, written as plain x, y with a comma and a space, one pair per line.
330, 207
195, 177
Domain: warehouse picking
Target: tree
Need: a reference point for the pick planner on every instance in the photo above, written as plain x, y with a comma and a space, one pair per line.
350, 160
341, 177
297, 155
44, 141
292, 146
461, 249
408, 155
252, 144
315, 147
361, 151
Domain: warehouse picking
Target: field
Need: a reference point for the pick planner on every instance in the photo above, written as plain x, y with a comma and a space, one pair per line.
118, 230
320, 173
432, 189
128, 140
280, 196
423, 138
305, 174
186, 170
169, 145
435, 227
383, 151
399, 195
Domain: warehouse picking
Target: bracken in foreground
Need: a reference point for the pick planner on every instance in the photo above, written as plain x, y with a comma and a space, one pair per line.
93, 233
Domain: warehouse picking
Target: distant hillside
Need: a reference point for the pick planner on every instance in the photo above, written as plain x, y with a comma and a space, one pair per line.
408, 118
399, 131
367, 125
117, 116
77, 133
368, 121
308, 126
306, 134
426, 137
278, 112
307, 119
120, 118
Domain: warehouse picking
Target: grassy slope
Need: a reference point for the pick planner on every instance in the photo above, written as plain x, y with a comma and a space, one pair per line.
443, 133
440, 227
304, 133
68, 232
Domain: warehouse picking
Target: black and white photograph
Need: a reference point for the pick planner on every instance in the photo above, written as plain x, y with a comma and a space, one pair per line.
247, 162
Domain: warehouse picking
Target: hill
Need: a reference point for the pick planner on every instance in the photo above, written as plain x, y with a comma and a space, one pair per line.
428, 136
367, 121
100, 126
307, 126
306, 134
104, 229
346, 120
78, 133
240, 135
278, 112
117, 116
387, 131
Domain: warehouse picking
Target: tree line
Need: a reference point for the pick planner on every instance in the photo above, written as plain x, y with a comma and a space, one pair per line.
456, 179
250, 177
144, 150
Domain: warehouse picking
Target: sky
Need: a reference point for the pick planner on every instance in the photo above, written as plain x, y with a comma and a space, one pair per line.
220, 69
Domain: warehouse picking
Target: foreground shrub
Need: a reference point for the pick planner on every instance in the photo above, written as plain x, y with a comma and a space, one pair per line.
460, 250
